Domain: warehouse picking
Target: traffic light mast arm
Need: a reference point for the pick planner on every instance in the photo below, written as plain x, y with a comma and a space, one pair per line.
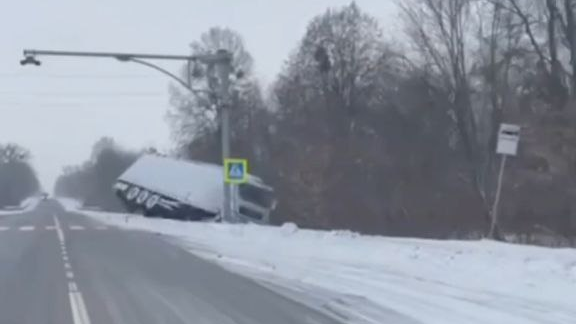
183, 83
208, 59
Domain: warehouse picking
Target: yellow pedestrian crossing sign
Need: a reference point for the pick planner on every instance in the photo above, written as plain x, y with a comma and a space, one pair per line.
236, 170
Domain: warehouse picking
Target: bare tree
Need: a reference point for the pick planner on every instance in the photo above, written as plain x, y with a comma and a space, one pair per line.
17, 177
334, 101
541, 22
570, 34
13, 153
442, 34
92, 181
194, 118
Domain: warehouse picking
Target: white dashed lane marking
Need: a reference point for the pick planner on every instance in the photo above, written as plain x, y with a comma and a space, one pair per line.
77, 305
27, 228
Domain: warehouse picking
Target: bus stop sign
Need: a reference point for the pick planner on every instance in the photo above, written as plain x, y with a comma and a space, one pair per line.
236, 170
508, 137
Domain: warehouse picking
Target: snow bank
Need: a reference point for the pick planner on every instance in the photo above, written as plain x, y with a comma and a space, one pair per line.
410, 280
26, 205
70, 204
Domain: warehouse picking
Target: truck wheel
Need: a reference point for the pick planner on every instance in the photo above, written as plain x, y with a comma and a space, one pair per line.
152, 201
142, 196
132, 193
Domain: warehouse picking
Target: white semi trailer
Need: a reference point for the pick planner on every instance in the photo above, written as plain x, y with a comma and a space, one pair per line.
164, 187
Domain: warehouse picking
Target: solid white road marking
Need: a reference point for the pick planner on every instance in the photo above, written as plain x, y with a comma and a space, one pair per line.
76, 228
4, 228
26, 228
79, 313
50, 227
61, 237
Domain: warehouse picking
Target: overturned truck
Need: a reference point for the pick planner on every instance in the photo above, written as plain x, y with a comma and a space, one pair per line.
158, 186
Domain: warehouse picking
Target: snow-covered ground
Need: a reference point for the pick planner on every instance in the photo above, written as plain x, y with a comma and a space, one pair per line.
373, 279
27, 205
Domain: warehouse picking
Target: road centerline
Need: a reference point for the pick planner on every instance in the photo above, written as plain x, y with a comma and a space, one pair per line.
77, 304
59, 230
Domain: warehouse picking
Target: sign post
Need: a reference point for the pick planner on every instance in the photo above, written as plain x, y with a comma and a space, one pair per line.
235, 172
508, 138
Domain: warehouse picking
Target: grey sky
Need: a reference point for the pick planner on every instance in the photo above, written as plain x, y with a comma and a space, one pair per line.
60, 109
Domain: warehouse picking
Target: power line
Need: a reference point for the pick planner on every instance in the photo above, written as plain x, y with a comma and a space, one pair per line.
74, 105
79, 76
84, 94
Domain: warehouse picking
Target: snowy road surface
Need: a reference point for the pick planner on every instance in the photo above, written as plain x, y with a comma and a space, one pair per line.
385, 280
59, 267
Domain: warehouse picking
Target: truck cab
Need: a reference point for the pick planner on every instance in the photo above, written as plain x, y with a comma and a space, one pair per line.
253, 201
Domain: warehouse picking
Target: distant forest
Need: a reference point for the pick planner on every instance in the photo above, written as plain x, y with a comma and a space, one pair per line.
18, 179
395, 134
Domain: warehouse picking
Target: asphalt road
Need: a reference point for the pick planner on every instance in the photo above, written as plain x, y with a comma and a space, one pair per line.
63, 268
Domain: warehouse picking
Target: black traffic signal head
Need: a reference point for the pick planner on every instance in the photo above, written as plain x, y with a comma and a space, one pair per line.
30, 59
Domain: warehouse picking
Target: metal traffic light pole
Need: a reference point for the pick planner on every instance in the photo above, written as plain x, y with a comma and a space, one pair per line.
224, 71
219, 62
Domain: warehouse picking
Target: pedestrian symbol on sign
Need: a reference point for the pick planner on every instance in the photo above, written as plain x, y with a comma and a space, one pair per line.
236, 170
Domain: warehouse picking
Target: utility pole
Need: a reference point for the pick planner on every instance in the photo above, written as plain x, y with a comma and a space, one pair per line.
224, 70
219, 63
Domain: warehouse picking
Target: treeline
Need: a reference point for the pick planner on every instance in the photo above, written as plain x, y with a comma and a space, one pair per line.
18, 179
91, 182
396, 135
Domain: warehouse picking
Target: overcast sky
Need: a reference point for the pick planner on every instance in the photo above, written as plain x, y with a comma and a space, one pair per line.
60, 109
